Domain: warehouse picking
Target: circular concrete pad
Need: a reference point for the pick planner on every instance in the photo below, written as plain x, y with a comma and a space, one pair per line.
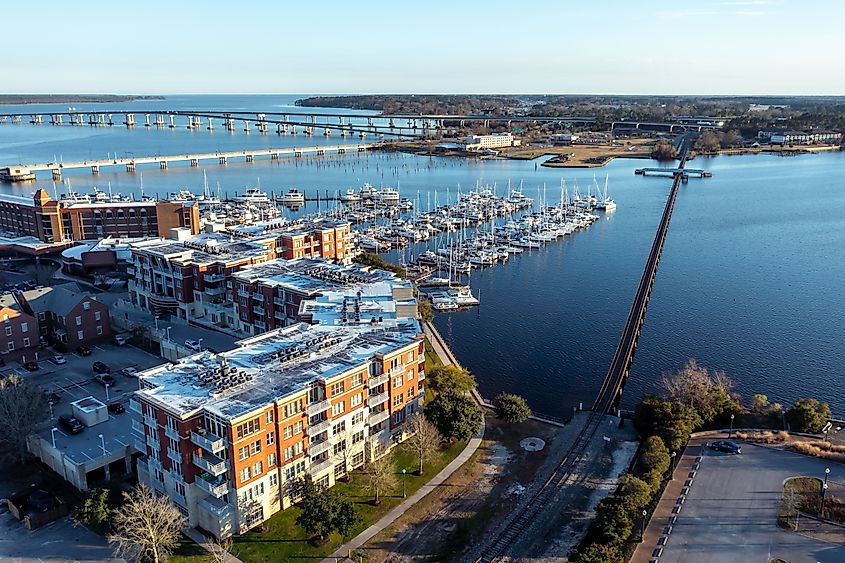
532, 444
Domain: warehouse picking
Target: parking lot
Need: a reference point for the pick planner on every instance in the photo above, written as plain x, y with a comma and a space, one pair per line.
726, 510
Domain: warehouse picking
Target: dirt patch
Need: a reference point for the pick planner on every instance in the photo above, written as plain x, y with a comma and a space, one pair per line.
455, 515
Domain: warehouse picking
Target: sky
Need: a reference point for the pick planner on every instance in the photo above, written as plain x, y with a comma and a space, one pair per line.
742, 47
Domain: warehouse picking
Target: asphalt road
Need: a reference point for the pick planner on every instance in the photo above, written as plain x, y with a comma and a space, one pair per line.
730, 513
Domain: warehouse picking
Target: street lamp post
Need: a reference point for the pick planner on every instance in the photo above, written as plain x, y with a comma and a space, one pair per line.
404, 490
103, 444
672, 468
53, 435
824, 490
199, 343
168, 333
107, 392
642, 526
731, 431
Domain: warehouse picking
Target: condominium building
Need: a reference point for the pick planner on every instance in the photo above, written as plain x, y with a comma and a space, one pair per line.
784, 137
227, 436
49, 220
187, 276
326, 239
281, 292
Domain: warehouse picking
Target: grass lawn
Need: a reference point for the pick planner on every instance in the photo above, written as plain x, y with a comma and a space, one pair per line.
431, 358
285, 541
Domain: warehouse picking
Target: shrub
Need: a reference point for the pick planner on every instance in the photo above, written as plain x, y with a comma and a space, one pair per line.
808, 415
597, 553
456, 416
654, 456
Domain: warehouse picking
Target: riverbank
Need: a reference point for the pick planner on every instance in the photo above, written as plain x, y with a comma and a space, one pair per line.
9, 99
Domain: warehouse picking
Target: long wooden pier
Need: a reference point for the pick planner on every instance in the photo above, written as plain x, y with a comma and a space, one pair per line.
23, 172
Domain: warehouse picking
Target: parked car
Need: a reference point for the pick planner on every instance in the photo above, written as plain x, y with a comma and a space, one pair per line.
193, 345
129, 372
59, 360
105, 379
31, 366
116, 408
100, 367
83, 351
120, 339
71, 424
726, 447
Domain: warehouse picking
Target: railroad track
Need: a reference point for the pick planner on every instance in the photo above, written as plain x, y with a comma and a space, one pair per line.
609, 393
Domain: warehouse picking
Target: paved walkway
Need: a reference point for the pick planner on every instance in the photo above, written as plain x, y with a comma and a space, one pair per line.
343, 551
204, 543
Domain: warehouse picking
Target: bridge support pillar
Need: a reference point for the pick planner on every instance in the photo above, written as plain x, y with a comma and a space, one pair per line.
130, 120
274, 156
391, 124
163, 165
222, 160
95, 170
194, 162
210, 124
327, 132
172, 124
130, 167
343, 133
230, 124
363, 135
293, 129
147, 120
59, 119
246, 126
57, 173
320, 152
262, 126
341, 151
160, 121
249, 158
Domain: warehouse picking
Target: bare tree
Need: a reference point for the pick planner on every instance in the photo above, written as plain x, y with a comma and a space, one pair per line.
424, 439
22, 406
220, 549
381, 476
147, 525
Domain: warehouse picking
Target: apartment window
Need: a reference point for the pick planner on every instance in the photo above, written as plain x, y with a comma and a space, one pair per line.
41, 316
274, 480
11, 346
26, 342
288, 453
338, 428
410, 356
410, 374
357, 379
409, 410
288, 432
292, 408
298, 448
339, 470
339, 408
86, 305
357, 459
357, 418
271, 459
397, 400
99, 329
97, 315
80, 335
356, 400
358, 437
249, 427
410, 392
271, 438
24, 327
8, 330
78, 321
397, 382
294, 471
337, 388
258, 468
255, 447
397, 417
243, 453
269, 417
246, 474
339, 447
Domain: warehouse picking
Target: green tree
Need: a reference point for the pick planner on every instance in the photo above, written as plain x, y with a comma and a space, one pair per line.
325, 511
633, 493
424, 309
598, 553
759, 403
708, 393
808, 415
95, 510
456, 416
654, 456
613, 523
376, 261
670, 420
511, 408
449, 378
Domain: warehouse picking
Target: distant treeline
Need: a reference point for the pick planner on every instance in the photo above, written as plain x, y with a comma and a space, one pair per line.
70, 98
744, 114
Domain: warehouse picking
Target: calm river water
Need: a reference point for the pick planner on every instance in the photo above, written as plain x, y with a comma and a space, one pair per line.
751, 281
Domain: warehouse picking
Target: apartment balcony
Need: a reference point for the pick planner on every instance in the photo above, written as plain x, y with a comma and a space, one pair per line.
258, 310
210, 463
376, 380
150, 421
375, 400
135, 405
130, 270
279, 314
153, 442
279, 301
398, 370
242, 293
214, 486
216, 507
421, 376
260, 325
315, 449
137, 428
316, 429
321, 467
214, 278
142, 464
316, 408
174, 455
172, 433
220, 290
140, 445
379, 417
208, 441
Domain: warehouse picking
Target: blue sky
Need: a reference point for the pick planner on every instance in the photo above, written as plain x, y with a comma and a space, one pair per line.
434, 46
